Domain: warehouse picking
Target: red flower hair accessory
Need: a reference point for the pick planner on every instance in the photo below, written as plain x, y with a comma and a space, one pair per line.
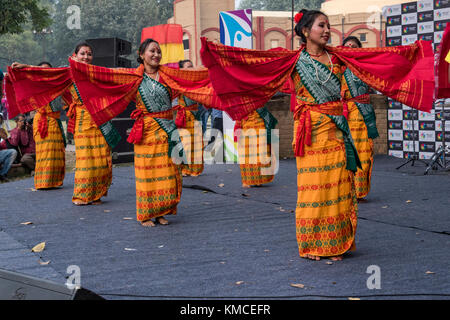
298, 17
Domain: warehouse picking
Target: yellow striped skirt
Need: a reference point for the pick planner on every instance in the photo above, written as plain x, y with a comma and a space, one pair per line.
158, 179
255, 160
93, 163
364, 146
192, 139
326, 212
50, 155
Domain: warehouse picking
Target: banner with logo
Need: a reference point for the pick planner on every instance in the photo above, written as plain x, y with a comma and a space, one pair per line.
406, 23
235, 31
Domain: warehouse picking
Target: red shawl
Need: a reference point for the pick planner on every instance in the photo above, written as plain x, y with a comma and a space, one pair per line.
443, 90
246, 79
13, 109
107, 92
35, 87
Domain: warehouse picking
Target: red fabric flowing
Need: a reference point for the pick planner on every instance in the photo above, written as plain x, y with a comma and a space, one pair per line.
403, 73
35, 87
243, 76
443, 89
246, 79
105, 92
13, 109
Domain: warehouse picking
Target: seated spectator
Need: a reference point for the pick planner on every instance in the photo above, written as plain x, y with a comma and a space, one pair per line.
7, 156
21, 138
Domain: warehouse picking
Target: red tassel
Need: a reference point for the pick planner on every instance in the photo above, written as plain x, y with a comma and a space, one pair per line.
236, 133
43, 126
180, 120
137, 131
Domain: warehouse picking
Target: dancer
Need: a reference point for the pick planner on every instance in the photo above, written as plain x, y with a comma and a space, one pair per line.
362, 123
93, 144
326, 213
189, 119
157, 145
50, 145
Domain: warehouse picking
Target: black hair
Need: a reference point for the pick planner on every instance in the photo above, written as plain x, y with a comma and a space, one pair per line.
182, 62
83, 44
44, 62
143, 47
354, 39
307, 21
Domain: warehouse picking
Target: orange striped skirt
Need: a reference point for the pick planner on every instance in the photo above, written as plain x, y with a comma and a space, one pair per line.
364, 146
158, 179
50, 155
326, 211
192, 139
93, 163
255, 160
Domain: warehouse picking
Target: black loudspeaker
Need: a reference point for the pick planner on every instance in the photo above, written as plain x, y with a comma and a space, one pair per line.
124, 151
111, 62
107, 52
16, 286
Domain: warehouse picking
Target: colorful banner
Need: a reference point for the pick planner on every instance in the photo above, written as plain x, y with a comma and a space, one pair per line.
236, 31
170, 38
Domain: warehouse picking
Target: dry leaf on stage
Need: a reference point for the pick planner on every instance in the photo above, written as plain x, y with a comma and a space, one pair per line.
39, 247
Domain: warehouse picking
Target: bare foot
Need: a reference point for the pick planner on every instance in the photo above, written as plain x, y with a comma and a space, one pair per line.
311, 257
337, 258
148, 223
162, 221
80, 203
245, 185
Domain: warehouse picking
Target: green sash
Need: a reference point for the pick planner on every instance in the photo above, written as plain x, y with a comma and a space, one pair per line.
107, 129
196, 113
270, 122
357, 88
55, 108
322, 93
158, 98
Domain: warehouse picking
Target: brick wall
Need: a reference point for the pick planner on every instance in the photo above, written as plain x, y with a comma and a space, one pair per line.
380, 105
280, 108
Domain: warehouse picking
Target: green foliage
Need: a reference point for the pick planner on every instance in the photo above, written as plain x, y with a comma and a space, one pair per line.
122, 19
15, 14
19, 47
280, 5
